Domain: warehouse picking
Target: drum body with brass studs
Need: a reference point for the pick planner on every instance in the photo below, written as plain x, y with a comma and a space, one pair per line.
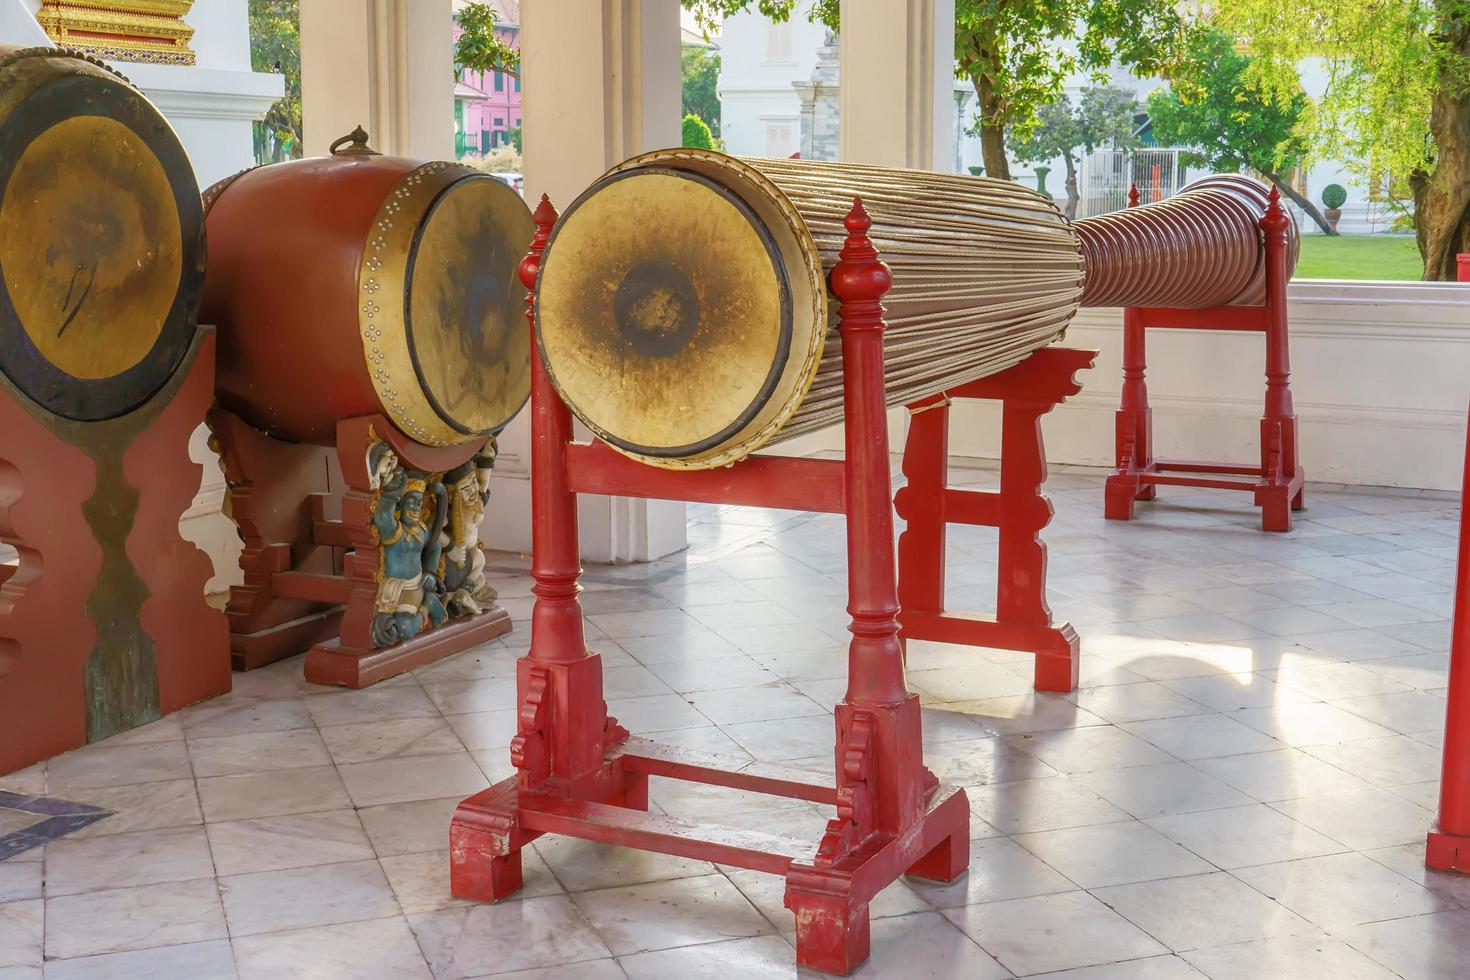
101, 237
357, 284
682, 310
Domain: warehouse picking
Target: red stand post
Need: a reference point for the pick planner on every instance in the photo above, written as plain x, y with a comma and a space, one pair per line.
1277, 483
578, 772
1462, 267
1448, 847
1022, 618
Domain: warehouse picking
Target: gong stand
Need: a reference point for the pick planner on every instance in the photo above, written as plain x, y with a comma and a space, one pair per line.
1022, 619
1277, 481
104, 625
1448, 845
579, 772
311, 563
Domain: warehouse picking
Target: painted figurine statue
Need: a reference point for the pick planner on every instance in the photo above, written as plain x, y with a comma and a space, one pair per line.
428, 530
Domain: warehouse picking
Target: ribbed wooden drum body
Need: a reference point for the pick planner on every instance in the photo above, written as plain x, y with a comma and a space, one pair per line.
682, 309
354, 284
101, 237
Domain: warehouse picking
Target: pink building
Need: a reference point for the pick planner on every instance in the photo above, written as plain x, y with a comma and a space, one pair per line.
487, 106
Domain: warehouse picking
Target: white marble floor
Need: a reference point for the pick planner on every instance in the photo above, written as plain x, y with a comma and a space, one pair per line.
1240, 790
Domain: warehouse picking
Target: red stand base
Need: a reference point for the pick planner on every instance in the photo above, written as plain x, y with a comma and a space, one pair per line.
1447, 852
1022, 619
329, 662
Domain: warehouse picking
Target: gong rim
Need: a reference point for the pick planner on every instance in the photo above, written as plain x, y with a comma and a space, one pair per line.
42, 90
795, 265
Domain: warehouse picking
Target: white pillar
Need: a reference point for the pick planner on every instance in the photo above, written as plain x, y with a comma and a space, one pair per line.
18, 25
897, 73
601, 82
386, 65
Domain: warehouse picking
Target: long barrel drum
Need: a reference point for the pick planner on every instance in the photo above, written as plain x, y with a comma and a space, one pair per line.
682, 312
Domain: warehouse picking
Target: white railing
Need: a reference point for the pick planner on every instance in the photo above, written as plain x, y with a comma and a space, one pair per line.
1107, 174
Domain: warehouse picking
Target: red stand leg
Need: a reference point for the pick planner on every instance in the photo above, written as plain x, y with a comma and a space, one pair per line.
1448, 847
1022, 618
1277, 483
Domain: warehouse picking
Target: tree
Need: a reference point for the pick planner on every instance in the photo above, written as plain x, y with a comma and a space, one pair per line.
478, 48
1017, 54
1216, 105
701, 75
275, 46
697, 134
1397, 99
1104, 114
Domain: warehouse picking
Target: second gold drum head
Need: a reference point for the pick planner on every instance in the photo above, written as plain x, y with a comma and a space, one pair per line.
675, 319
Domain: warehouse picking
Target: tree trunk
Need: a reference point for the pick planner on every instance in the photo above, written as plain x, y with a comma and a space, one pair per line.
1284, 186
992, 138
1442, 198
1072, 196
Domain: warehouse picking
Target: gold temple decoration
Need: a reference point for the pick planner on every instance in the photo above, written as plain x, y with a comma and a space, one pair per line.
151, 31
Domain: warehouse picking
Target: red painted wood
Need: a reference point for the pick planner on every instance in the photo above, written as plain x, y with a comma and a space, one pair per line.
1022, 620
781, 482
579, 775
329, 663
1462, 267
1278, 491
1448, 845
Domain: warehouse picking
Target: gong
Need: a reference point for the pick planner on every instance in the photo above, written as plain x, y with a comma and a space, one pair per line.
101, 237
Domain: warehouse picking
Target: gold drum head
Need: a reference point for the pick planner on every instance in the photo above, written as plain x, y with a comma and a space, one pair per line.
668, 319
100, 241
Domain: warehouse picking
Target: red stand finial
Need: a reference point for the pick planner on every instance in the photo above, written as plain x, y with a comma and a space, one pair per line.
1133, 195
1275, 223
545, 217
859, 277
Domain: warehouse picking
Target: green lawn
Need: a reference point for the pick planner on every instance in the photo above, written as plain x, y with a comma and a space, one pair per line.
1359, 257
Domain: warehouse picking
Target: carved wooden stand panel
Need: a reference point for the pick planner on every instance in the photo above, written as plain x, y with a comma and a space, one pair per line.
311, 559
103, 622
1277, 483
1022, 619
579, 773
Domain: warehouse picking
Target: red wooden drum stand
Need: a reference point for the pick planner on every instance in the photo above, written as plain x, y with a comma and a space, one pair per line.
311, 575
1449, 841
1278, 479
1022, 618
581, 775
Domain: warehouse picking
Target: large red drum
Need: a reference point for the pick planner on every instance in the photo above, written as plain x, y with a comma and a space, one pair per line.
357, 284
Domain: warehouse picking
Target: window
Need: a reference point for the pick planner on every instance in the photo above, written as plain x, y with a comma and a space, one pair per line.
485, 143
517, 123
500, 81
778, 42
780, 141
518, 83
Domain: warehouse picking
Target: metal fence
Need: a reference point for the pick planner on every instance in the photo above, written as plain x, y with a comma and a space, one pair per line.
1107, 175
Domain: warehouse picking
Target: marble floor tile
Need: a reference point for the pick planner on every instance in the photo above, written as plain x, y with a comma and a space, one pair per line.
1421, 947
1024, 713
1242, 836
659, 713
143, 806
293, 841
270, 794
1147, 968
483, 730
414, 778
464, 697
1287, 956
999, 869
21, 932
1089, 749
1112, 854
407, 828
299, 898
1204, 910
1160, 790
1283, 775
756, 958
713, 674
1384, 762
1406, 713
1341, 890
585, 865
1147, 701
145, 857
240, 717
790, 738
983, 761
1052, 932
103, 765
734, 706
505, 937
1363, 820
1201, 736
633, 920
133, 918
227, 755
1030, 805
19, 881
392, 739
212, 960
1313, 723
768, 894
383, 949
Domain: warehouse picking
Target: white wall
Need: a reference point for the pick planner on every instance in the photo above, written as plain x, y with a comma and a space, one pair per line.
1380, 376
759, 62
